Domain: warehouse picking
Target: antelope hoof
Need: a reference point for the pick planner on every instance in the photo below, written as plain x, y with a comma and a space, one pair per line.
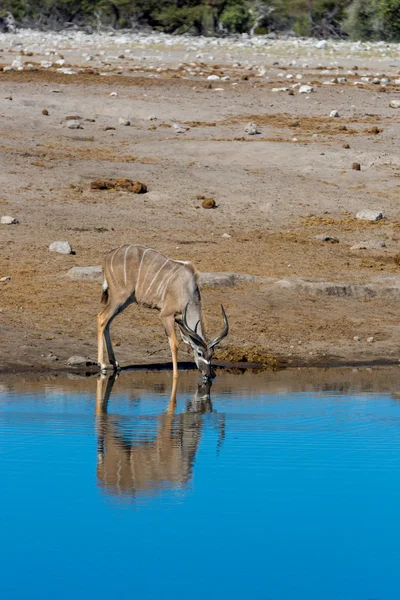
116, 367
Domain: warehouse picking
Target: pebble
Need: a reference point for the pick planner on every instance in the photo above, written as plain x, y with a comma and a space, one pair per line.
51, 356
251, 129
369, 245
356, 338
326, 238
356, 166
124, 122
334, 113
7, 278
226, 235
306, 89
60, 247
113, 94
213, 78
282, 89
80, 361
7, 220
370, 339
394, 104
322, 45
152, 118
74, 125
370, 215
86, 273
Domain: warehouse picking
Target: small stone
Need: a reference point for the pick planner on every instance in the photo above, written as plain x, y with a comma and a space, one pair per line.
60, 247
306, 89
251, 129
45, 112
74, 125
356, 166
226, 235
124, 122
322, 45
209, 203
346, 146
356, 338
7, 278
7, 220
80, 361
51, 357
152, 118
370, 215
370, 339
281, 89
369, 245
108, 128
113, 94
394, 104
213, 77
86, 273
334, 113
326, 238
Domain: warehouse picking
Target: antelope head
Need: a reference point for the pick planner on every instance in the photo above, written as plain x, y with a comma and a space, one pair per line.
203, 350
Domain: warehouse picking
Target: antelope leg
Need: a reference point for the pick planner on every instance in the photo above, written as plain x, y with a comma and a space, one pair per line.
169, 325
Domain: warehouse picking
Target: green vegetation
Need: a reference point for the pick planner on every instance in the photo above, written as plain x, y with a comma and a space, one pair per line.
357, 19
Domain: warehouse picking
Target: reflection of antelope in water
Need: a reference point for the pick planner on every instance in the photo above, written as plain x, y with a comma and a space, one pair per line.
127, 467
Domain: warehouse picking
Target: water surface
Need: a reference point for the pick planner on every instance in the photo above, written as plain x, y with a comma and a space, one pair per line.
279, 486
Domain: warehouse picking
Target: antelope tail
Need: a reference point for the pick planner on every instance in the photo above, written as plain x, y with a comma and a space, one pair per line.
104, 295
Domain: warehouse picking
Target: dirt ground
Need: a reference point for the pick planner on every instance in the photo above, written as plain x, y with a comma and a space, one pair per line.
274, 191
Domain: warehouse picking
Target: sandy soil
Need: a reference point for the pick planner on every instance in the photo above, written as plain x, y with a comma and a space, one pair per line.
274, 192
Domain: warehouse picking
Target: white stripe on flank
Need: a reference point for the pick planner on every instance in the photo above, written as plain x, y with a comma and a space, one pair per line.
155, 277
168, 281
167, 274
112, 258
140, 269
157, 254
126, 252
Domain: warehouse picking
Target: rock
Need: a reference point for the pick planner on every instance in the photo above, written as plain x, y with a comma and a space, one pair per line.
51, 357
74, 125
7, 278
86, 273
334, 113
226, 235
370, 215
124, 122
213, 77
217, 280
208, 203
113, 94
356, 338
322, 45
181, 130
394, 104
282, 89
370, 339
152, 118
45, 112
369, 245
60, 247
80, 361
346, 146
251, 129
7, 220
306, 89
326, 238
108, 128
356, 166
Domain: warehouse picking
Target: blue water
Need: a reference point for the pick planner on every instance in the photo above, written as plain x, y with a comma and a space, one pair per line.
249, 494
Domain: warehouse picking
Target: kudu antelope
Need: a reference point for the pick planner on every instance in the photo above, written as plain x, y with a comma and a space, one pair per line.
143, 275
131, 467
